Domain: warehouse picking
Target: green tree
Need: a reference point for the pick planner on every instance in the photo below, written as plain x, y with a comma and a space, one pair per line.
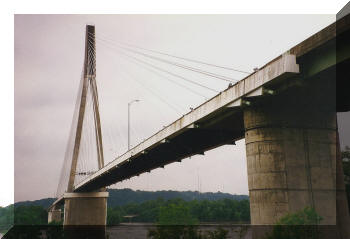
113, 217
176, 214
302, 224
30, 215
307, 216
6, 218
174, 222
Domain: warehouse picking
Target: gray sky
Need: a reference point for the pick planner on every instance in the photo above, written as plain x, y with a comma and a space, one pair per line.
49, 52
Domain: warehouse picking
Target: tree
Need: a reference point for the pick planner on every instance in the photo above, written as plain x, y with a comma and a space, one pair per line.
176, 214
30, 215
113, 217
174, 222
6, 218
302, 224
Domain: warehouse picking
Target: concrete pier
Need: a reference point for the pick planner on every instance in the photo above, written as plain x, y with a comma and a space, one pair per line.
85, 209
54, 215
291, 157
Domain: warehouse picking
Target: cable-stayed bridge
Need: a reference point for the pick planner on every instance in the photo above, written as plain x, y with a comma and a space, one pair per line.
286, 111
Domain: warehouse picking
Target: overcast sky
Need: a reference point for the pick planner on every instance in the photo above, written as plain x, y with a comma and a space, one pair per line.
49, 51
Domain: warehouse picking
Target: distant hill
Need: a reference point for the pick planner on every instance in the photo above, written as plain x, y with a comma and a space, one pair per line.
45, 203
124, 196
119, 197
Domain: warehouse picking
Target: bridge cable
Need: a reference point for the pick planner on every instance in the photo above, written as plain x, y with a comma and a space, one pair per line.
176, 107
153, 92
160, 69
157, 67
166, 78
200, 71
178, 57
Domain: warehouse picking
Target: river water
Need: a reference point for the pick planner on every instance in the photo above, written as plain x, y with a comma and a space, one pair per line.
140, 230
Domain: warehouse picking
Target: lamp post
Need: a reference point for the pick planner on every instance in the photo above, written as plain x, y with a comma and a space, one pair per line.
129, 104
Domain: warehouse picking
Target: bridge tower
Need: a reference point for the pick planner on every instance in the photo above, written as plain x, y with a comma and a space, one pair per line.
88, 208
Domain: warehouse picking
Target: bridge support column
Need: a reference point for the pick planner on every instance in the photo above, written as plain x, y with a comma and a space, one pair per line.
54, 215
291, 148
87, 209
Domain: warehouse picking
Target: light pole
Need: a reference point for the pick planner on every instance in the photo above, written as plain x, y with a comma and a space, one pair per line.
129, 104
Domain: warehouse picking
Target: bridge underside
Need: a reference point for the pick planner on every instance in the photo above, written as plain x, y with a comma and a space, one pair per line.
192, 142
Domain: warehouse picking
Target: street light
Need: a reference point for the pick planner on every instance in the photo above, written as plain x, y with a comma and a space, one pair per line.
129, 104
